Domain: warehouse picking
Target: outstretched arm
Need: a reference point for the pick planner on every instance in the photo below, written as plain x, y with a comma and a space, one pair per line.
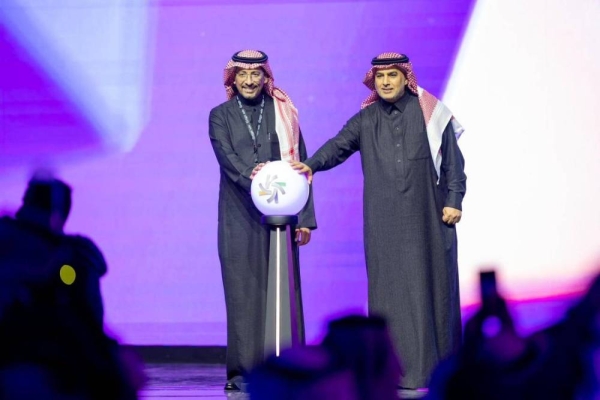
335, 151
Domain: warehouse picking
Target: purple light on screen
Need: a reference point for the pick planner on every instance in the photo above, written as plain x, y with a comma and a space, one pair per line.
72, 79
36, 117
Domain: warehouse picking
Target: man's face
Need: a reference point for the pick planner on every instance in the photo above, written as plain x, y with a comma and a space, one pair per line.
249, 82
390, 84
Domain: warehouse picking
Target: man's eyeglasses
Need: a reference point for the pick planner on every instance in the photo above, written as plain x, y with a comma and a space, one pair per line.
255, 75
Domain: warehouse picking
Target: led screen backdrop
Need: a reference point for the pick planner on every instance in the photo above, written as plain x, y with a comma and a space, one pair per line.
115, 97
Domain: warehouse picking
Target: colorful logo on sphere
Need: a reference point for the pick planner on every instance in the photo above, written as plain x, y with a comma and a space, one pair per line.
272, 189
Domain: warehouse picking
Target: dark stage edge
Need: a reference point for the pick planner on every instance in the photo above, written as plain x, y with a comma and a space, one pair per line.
197, 381
198, 372
180, 354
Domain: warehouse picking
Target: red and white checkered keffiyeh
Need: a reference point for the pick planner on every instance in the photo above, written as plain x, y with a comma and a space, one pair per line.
286, 114
436, 114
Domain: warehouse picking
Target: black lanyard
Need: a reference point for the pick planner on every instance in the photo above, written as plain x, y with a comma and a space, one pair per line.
249, 125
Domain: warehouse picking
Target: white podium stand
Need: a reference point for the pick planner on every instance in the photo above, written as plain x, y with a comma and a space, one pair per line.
282, 323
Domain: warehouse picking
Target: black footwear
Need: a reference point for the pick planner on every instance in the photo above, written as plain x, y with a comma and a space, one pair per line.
231, 387
234, 384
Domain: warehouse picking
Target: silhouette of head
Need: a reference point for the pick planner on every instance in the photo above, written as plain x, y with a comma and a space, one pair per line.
46, 202
301, 373
363, 344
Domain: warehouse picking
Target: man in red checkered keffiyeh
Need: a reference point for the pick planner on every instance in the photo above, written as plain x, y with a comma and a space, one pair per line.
286, 114
414, 183
436, 114
257, 124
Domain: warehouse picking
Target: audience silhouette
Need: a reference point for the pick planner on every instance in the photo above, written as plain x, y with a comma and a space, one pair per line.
52, 339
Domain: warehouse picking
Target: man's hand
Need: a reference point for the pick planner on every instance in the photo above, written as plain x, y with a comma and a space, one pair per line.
302, 236
451, 215
302, 169
256, 169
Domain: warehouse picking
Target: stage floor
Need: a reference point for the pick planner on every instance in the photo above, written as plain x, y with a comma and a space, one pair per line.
194, 380
199, 381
